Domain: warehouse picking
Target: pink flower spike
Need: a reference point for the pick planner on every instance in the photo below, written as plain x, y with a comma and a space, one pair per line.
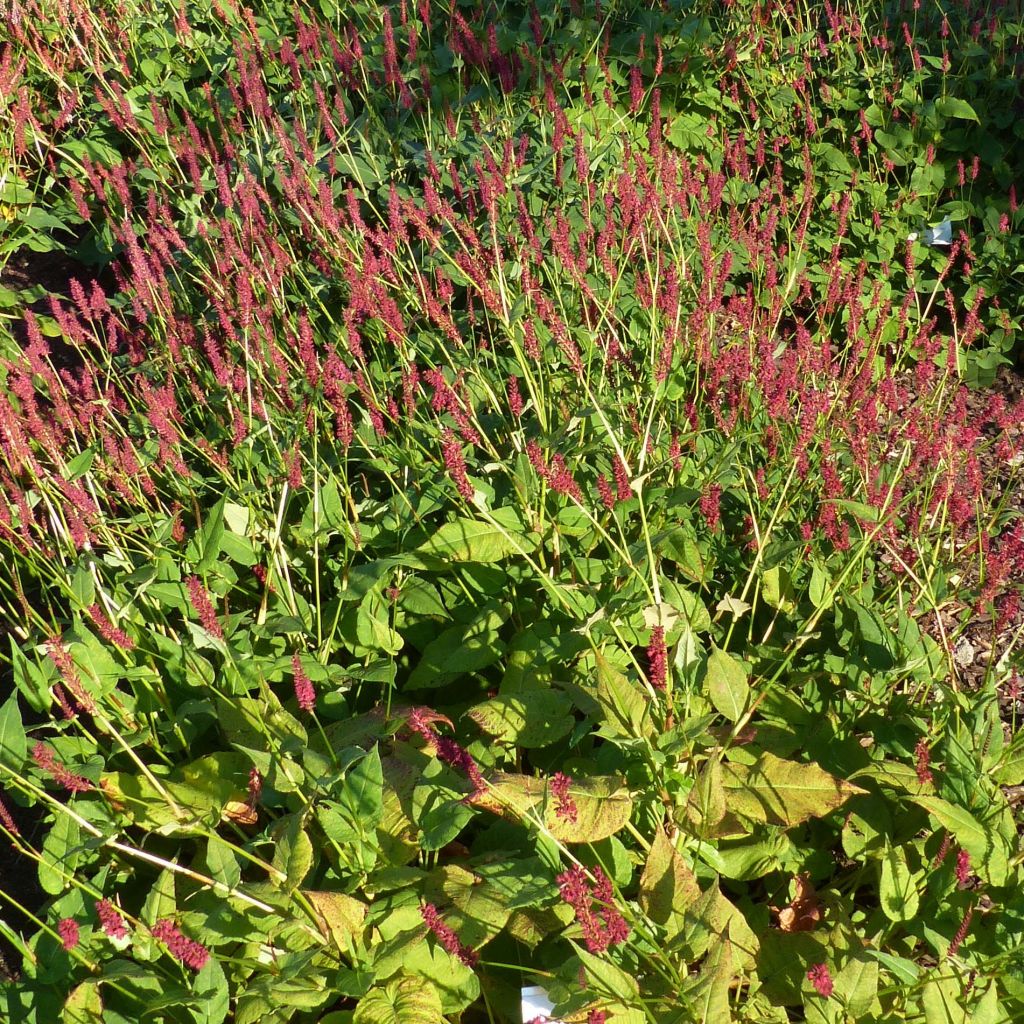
68, 931
110, 920
191, 953
963, 867
565, 807
203, 606
44, 757
304, 692
820, 978
446, 935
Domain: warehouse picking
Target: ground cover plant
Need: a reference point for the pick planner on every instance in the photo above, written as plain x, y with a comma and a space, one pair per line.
497, 502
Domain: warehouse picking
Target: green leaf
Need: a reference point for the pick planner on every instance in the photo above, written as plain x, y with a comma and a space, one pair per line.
363, 793
468, 540
624, 704
779, 792
479, 908
897, 891
13, 745
603, 805
940, 999
1010, 770
340, 917
83, 1004
533, 718
667, 886
905, 970
987, 850
293, 850
605, 978
952, 106
60, 854
210, 538
777, 589
213, 997
857, 986
727, 684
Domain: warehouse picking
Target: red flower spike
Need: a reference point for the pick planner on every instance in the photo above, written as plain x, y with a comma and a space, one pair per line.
657, 659
110, 920
200, 601
304, 692
446, 935
600, 930
44, 757
963, 867
820, 978
923, 755
191, 953
68, 932
565, 806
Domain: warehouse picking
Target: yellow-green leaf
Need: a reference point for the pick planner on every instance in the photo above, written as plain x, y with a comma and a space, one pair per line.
340, 917
84, 1004
603, 805
897, 891
467, 540
940, 1000
985, 845
779, 792
727, 684
667, 885
533, 718
402, 1000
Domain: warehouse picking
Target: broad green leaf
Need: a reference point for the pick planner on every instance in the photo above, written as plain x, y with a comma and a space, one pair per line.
13, 745
84, 1004
777, 589
605, 978
710, 995
603, 806
468, 540
904, 970
940, 1000
953, 106
222, 863
987, 1009
727, 684
707, 803
213, 997
363, 791
533, 718
1010, 770
667, 885
779, 792
624, 704
61, 854
340, 917
857, 986
897, 890
293, 850
479, 909
208, 541
985, 845
819, 588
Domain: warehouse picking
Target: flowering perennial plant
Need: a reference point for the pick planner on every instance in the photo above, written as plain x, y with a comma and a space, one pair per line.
560, 380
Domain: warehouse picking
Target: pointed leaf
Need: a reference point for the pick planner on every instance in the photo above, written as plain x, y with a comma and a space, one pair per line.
667, 885
727, 685
779, 792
